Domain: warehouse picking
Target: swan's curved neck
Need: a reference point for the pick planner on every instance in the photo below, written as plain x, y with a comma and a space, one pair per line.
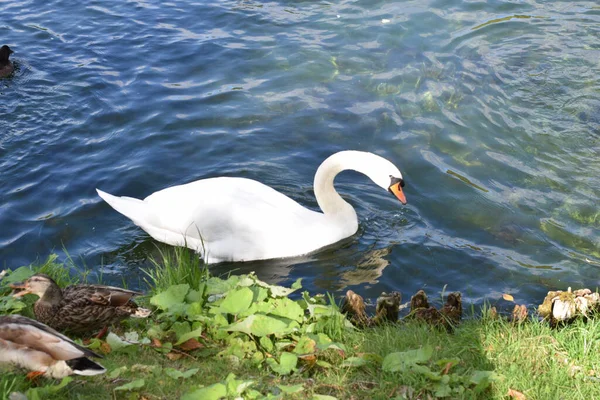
329, 200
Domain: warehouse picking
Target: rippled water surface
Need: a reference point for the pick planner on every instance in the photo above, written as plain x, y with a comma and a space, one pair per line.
490, 109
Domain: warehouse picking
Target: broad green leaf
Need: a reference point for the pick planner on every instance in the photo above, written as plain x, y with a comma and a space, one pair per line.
172, 296
219, 286
114, 374
212, 392
482, 380
117, 344
176, 374
354, 362
305, 345
237, 301
236, 387
180, 328
401, 360
189, 335
133, 385
289, 389
287, 308
18, 275
266, 343
323, 397
194, 296
262, 325
287, 363
47, 391
194, 311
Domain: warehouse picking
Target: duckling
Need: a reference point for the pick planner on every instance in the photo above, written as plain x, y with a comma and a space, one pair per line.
388, 306
354, 307
6, 67
32, 345
79, 308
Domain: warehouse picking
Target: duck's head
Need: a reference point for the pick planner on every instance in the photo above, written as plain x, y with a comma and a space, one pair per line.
38, 284
5, 52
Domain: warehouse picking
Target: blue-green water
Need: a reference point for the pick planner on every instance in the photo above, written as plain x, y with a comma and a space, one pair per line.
490, 109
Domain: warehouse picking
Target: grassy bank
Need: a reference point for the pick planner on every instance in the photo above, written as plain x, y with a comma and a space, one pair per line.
240, 337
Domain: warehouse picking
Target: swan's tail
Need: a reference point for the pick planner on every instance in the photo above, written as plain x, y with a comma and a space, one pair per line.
135, 209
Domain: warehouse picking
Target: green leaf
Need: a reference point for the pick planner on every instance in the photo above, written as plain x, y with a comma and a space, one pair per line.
482, 380
237, 301
194, 311
189, 335
194, 296
219, 286
235, 387
18, 275
305, 345
174, 295
176, 374
354, 362
266, 343
262, 325
287, 363
117, 344
401, 360
48, 390
323, 397
286, 308
289, 389
133, 385
212, 392
180, 328
114, 374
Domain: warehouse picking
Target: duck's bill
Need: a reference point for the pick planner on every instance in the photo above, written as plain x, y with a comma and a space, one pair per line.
397, 190
19, 289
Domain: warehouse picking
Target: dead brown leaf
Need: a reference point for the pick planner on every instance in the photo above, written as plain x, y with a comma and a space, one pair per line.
105, 348
515, 394
191, 344
156, 343
447, 368
508, 297
173, 356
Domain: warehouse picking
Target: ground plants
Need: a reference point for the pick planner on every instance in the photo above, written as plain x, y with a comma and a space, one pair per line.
240, 337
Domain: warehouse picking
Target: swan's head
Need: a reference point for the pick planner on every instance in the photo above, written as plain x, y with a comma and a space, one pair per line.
387, 176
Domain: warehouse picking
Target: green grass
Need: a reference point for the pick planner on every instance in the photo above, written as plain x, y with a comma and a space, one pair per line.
483, 358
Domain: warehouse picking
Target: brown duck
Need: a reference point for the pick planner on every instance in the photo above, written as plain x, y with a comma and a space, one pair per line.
79, 308
32, 345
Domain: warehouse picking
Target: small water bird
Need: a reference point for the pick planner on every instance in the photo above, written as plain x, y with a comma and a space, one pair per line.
32, 345
79, 308
239, 219
6, 67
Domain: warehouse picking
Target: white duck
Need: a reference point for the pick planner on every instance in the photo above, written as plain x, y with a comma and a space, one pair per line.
239, 219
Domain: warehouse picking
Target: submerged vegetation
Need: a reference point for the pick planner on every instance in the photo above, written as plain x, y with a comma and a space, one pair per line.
239, 337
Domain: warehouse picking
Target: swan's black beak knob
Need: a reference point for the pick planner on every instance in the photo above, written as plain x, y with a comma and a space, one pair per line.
396, 188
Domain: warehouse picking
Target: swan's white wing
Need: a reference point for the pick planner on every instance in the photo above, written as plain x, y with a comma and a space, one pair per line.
234, 216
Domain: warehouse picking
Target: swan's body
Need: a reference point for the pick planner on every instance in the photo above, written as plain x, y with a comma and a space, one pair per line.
238, 219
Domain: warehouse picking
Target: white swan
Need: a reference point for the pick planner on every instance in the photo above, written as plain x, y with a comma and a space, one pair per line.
239, 219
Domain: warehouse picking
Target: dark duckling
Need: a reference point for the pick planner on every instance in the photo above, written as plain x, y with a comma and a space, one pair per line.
6, 67
80, 308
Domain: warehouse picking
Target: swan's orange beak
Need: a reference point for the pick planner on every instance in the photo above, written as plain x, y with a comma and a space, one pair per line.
397, 190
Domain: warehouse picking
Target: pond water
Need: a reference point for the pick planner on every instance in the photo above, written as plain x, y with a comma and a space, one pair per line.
490, 109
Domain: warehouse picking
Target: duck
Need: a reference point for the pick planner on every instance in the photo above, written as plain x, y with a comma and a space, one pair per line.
79, 308
32, 345
6, 67
232, 219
